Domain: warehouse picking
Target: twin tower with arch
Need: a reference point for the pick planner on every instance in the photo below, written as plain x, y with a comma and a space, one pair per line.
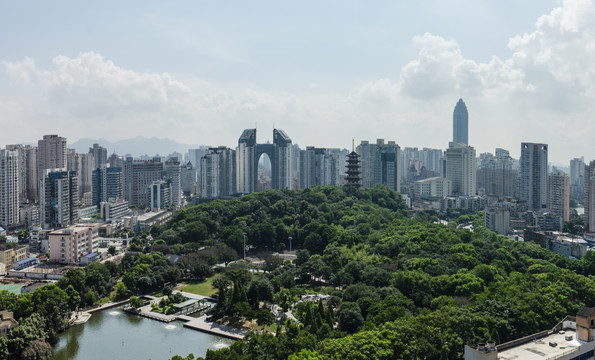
280, 152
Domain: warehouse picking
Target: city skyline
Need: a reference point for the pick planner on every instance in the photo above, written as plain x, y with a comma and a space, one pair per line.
352, 71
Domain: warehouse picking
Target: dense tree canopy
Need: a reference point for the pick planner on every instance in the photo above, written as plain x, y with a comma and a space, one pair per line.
404, 287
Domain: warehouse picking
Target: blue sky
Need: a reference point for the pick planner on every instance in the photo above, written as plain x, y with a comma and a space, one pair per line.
325, 72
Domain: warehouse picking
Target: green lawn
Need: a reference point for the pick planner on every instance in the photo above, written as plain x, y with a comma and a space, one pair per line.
204, 288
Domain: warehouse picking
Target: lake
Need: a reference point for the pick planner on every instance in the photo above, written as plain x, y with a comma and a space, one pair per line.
114, 334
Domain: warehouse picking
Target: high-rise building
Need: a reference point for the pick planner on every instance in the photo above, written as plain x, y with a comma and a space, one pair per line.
430, 159
577, 178
160, 195
107, 185
172, 173
85, 165
188, 179
194, 156
248, 153
20, 151
380, 164
559, 195
138, 177
534, 187
283, 154
59, 199
31, 178
51, 153
99, 156
246, 163
590, 197
218, 175
116, 161
319, 166
10, 178
577, 169
461, 168
460, 123
495, 174
418, 164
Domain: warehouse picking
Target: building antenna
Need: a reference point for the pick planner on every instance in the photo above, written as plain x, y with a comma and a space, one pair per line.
352, 145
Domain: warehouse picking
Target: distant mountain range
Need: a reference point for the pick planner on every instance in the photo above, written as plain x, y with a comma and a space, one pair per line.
135, 146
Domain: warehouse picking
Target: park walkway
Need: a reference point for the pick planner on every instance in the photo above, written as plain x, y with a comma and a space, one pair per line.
201, 324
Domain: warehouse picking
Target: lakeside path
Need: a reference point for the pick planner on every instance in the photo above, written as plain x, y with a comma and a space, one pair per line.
201, 324
84, 316
107, 306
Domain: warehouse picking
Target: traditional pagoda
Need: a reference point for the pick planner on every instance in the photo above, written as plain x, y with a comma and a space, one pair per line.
353, 167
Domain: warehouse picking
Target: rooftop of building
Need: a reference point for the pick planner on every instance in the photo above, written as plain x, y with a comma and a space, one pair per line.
4, 247
563, 238
151, 214
74, 229
24, 261
435, 178
551, 346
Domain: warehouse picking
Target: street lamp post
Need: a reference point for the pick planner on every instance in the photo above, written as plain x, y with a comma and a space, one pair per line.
244, 246
290, 238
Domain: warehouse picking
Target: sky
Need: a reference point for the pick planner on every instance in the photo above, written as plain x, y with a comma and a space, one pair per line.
325, 72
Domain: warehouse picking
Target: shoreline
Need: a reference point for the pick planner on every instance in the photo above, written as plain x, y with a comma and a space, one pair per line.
198, 324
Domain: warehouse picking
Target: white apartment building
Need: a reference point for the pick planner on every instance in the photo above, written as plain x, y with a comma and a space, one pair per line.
461, 168
436, 187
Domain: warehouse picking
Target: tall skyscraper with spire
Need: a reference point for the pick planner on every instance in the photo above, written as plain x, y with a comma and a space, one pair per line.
460, 123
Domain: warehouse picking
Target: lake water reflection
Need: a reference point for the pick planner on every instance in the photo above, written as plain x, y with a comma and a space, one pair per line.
114, 334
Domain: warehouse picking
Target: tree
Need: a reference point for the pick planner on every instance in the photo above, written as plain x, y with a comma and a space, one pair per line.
239, 273
89, 298
260, 289
301, 257
350, 317
195, 231
74, 277
264, 317
38, 349
588, 263
32, 328
111, 250
136, 302
74, 298
121, 290
178, 357
226, 255
51, 303
305, 354
272, 262
220, 283
167, 290
314, 243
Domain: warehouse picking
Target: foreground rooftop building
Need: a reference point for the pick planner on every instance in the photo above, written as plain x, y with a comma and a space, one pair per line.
571, 339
